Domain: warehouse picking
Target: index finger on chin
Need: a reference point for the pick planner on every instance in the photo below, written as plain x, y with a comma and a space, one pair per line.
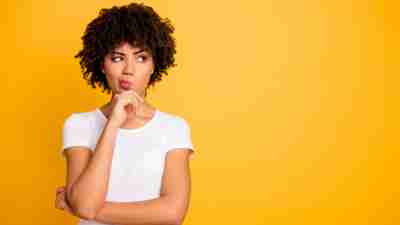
137, 95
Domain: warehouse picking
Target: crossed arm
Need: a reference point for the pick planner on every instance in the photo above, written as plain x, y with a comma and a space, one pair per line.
86, 171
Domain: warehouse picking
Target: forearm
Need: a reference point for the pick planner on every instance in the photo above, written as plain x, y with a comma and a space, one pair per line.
157, 211
87, 194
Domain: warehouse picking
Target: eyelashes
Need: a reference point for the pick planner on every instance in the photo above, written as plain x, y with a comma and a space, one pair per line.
144, 58
119, 58
116, 59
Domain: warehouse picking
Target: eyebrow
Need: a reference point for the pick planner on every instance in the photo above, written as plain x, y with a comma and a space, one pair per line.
120, 53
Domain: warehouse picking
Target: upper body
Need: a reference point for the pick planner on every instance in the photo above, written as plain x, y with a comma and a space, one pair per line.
121, 152
145, 160
139, 153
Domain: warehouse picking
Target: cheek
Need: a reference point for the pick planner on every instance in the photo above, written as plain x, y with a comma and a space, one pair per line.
112, 70
110, 66
111, 73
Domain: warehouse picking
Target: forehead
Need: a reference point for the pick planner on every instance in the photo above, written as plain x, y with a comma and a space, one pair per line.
127, 47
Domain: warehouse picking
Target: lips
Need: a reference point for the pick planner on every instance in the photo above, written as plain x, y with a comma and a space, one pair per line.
124, 84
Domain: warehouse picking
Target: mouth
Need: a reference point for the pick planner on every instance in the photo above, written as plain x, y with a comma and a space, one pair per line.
125, 85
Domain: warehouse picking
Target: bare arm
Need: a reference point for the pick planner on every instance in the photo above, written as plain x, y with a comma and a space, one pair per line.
88, 185
88, 177
169, 209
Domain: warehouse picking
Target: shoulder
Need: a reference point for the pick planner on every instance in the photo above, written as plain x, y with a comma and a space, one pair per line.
173, 121
79, 119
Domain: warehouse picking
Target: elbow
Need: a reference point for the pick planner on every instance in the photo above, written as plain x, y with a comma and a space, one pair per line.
176, 215
81, 209
86, 213
175, 209
176, 219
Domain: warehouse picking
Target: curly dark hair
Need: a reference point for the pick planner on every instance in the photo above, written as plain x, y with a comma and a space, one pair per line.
136, 24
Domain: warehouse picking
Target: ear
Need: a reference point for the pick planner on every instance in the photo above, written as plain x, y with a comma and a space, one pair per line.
102, 67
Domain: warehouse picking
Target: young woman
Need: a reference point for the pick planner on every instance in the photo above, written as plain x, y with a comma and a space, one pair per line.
127, 161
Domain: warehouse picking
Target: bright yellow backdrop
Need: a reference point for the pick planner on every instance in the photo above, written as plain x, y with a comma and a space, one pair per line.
285, 100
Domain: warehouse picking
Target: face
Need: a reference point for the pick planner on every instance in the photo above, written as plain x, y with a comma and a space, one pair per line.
128, 68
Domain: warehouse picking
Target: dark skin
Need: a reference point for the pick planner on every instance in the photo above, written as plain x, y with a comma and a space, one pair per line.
136, 66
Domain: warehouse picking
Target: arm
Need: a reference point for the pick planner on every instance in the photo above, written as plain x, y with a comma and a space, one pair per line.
87, 180
169, 208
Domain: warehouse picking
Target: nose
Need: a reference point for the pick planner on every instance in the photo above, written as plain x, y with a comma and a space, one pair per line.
129, 67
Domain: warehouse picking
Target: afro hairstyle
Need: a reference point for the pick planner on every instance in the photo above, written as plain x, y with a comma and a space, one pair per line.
134, 23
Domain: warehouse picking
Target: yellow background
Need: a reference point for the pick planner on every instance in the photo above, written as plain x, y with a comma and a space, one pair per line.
286, 101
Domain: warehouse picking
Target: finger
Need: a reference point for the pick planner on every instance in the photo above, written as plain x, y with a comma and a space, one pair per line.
134, 101
115, 99
133, 93
126, 93
60, 189
60, 198
60, 194
68, 209
62, 205
128, 101
56, 204
67, 206
137, 102
59, 204
124, 96
123, 100
138, 96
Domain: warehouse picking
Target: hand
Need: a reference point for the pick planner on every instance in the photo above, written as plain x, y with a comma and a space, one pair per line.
61, 202
124, 107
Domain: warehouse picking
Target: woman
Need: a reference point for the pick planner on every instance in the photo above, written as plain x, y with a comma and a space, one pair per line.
127, 161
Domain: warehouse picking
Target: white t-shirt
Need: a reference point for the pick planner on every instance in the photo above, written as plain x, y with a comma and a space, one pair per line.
139, 153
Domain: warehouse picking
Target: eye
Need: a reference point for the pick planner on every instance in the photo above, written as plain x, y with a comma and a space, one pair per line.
116, 59
142, 58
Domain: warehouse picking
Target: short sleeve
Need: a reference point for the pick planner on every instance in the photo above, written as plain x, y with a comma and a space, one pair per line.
76, 132
180, 137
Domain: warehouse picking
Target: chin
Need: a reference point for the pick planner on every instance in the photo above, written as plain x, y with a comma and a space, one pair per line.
120, 90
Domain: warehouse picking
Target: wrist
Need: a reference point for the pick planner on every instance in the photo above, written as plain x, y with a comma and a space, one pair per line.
112, 125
